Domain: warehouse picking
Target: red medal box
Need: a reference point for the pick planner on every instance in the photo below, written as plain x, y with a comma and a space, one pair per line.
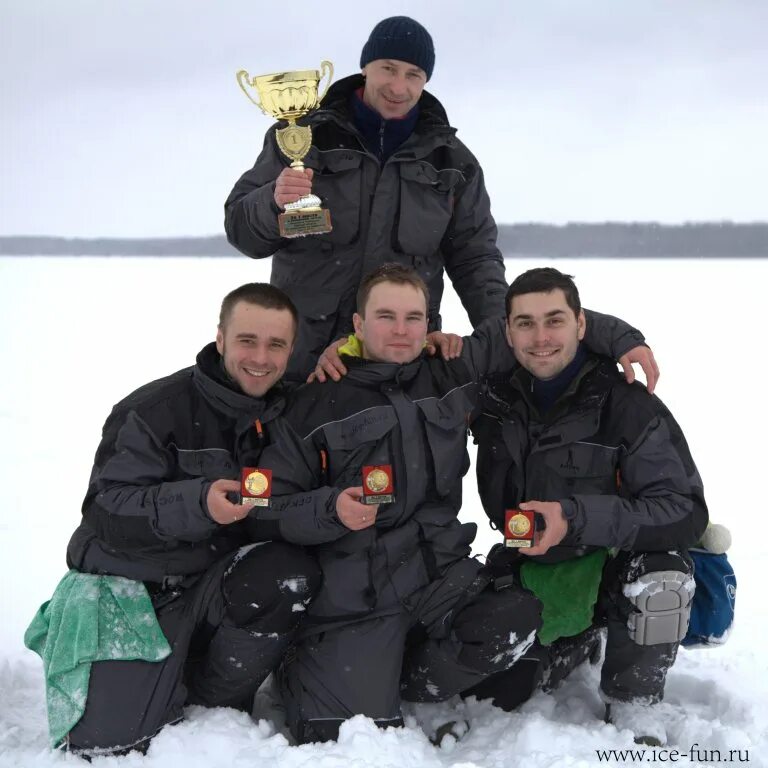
378, 485
518, 528
255, 486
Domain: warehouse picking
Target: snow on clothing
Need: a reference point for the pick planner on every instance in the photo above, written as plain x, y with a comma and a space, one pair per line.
425, 206
404, 594
145, 518
228, 629
617, 461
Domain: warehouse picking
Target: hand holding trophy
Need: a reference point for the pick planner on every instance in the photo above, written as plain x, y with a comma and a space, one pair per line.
289, 96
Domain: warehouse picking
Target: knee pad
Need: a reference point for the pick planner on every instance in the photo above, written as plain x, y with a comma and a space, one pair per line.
662, 606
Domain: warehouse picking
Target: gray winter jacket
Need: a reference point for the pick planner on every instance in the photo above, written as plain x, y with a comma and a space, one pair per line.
426, 207
413, 417
145, 514
609, 452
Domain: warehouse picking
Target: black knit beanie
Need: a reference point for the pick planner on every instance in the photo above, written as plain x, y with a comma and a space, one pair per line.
401, 38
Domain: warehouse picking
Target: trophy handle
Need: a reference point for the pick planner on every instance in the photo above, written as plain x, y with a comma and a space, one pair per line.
243, 80
325, 68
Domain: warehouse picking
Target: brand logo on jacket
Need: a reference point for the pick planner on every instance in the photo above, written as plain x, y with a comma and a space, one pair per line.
568, 464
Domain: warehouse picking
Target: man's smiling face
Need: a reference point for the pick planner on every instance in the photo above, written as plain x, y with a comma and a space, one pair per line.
255, 345
393, 87
544, 332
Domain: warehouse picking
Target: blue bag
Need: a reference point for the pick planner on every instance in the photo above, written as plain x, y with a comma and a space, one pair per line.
714, 601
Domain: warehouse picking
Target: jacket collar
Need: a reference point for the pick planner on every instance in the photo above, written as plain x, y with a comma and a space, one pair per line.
375, 373
381, 136
587, 390
336, 105
215, 385
545, 393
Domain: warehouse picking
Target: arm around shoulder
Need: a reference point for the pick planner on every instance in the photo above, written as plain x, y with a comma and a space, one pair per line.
486, 350
610, 336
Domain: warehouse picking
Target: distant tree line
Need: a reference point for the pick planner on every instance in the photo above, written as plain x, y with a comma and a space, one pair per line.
631, 240
608, 240
115, 246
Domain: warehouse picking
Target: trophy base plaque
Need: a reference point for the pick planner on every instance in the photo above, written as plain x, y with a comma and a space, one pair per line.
305, 221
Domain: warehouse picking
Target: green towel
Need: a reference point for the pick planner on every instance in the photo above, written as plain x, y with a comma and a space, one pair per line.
568, 593
89, 618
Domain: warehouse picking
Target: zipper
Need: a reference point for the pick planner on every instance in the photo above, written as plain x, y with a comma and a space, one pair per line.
381, 141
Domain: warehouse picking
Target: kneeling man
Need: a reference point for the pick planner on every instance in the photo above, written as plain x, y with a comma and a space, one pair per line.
372, 477
159, 510
606, 468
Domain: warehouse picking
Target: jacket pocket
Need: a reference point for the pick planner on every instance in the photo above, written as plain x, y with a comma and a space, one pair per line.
356, 441
584, 467
445, 539
446, 422
407, 567
308, 266
210, 463
426, 207
347, 566
337, 182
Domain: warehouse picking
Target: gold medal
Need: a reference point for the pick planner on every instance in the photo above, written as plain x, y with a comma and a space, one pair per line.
518, 528
255, 486
256, 483
378, 485
377, 480
519, 525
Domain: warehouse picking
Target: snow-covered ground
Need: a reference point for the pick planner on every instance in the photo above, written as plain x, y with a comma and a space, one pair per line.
79, 334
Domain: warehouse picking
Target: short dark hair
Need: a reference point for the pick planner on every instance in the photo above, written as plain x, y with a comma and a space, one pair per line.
390, 273
544, 280
260, 294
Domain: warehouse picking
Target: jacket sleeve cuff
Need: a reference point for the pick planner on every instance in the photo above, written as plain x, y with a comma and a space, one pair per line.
263, 212
204, 501
574, 517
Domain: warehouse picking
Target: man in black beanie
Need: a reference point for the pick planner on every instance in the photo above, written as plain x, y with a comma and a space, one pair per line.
399, 185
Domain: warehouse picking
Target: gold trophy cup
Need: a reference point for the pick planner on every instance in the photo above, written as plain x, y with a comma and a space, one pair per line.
289, 96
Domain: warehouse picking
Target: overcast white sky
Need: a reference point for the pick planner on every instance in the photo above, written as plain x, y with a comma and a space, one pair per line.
124, 119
